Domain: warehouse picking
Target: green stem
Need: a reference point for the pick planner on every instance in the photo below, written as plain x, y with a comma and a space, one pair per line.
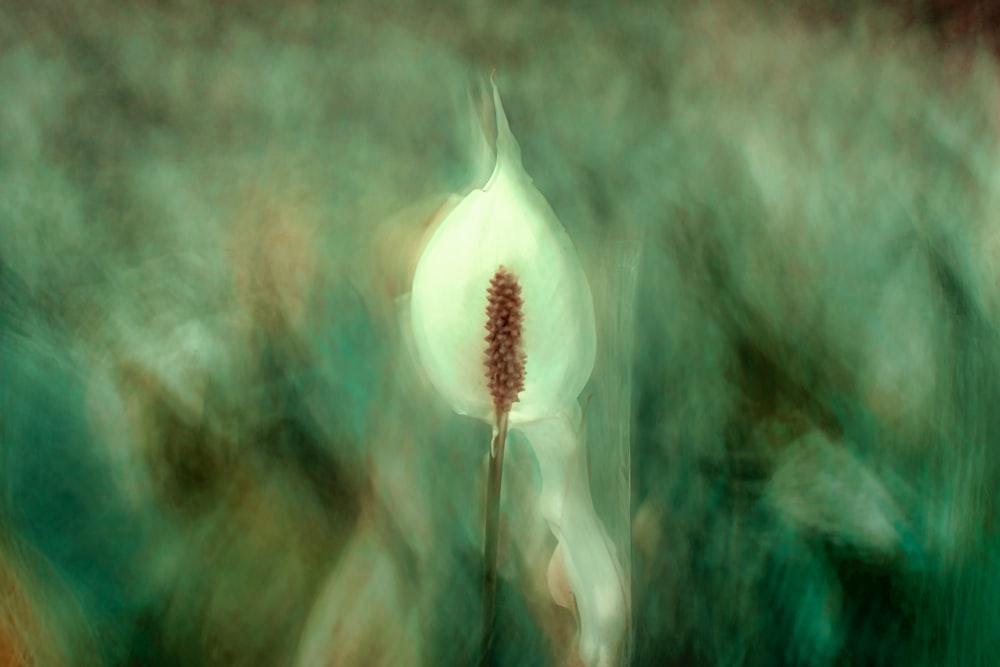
492, 539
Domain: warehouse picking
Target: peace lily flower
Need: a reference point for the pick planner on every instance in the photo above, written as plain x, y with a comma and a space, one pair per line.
506, 223
503, 324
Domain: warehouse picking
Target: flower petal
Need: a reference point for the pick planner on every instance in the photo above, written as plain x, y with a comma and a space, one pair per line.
506, 223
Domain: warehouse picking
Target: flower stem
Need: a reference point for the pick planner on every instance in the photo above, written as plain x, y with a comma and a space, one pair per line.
492, 540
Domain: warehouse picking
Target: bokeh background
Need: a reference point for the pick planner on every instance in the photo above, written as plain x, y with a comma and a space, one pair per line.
215, 448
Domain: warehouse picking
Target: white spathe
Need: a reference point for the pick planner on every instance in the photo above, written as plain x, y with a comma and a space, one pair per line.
507, 222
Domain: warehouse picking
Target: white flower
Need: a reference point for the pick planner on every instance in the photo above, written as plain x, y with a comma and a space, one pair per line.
506, 223
507, 233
